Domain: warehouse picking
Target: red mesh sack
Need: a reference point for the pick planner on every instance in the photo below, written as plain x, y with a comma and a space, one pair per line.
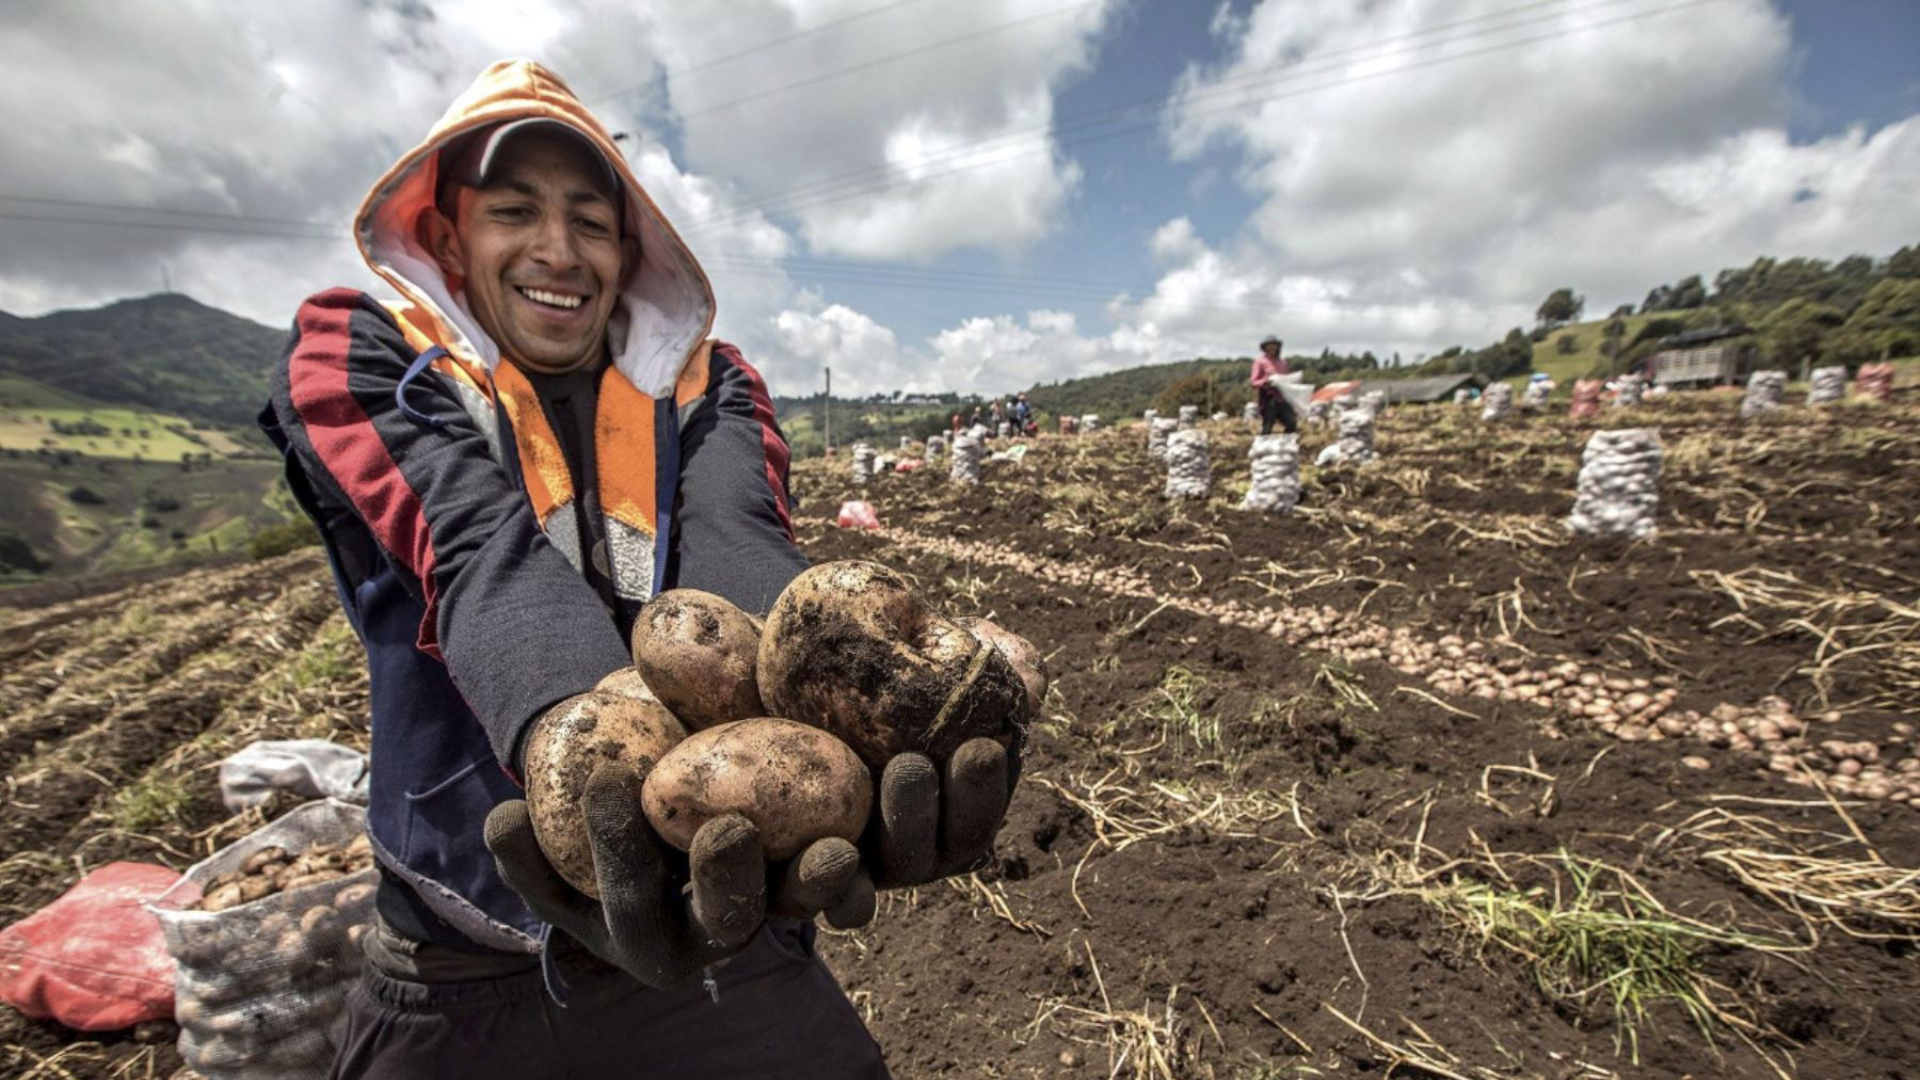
95, 959
858, 514
1586, 399
1874, 382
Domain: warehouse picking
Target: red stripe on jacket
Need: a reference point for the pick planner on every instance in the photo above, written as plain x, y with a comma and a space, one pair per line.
345, 439
778, 457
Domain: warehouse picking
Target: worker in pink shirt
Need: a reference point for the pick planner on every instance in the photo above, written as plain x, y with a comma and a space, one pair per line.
1267, 368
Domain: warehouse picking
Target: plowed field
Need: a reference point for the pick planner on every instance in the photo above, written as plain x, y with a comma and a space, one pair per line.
1408, 783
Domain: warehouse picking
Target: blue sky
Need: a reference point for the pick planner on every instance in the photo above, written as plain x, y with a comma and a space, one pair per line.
1391, 175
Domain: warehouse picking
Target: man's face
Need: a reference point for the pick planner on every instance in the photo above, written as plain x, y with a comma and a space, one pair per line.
539, 252
1272, 350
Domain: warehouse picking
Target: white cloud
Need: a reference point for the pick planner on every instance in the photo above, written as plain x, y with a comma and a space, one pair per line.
969, 121
863, 354
1413, 203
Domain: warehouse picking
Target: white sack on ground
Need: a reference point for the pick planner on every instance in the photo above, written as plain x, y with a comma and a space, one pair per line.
967, 452
1354, 445
1189, 474
1189, 416
1089, 423
1618, 492
1629, 392
1496, 402
1827, 385
1276, 474
1536, 396
936, 445
1765, 391
863, 463
1158, 429
308, 768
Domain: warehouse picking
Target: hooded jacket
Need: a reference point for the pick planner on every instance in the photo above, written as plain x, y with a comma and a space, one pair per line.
454, 517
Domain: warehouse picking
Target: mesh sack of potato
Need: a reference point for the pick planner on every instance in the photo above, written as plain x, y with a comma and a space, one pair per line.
265, 935
1827, 385
1090, 422
1158, 428
1629, 392
936, 446
1276, 474
1250, 412
1875, 382
1189, 474
1586, 399
1318, 412
1619, 485
1765, 391
968, 451
1189, 416
1497, 402
1534, 398
1354, 446
863, 463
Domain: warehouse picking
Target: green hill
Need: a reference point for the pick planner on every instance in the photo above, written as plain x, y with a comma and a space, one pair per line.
165, 354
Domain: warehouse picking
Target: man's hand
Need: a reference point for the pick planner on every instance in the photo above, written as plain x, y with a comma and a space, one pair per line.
932, 825
646, 922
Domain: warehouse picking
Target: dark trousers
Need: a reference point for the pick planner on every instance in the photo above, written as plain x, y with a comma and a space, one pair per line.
780, 1013
1274, 407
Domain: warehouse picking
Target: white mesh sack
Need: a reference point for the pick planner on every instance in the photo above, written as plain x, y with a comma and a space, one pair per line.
1250, 412
1375, 401
1319, 412
1534, 398
862, 463
1618, 492
1089, 423
1354, 444
936, 445
1827, 385
261, 985
1189, 474
1463, 397
1765, 390
1006, 429
1189, 416
1276, 474
1629, 392
967, 452
906, 444
1158, 430
1496, 402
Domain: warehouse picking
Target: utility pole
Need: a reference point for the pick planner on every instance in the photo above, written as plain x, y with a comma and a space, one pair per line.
826, 410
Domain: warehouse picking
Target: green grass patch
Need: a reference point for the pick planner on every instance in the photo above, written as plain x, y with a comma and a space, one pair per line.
151, 801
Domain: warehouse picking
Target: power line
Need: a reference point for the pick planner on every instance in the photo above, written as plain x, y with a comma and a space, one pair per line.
754, 50
765, 206
889, 58
1092, 118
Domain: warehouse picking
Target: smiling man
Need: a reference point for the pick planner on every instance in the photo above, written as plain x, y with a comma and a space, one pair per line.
505, 464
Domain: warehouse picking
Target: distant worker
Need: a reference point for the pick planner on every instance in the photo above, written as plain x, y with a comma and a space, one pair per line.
1023, 415
957, 423
1267, 369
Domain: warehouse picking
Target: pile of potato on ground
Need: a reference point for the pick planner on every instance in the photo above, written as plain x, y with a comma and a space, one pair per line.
785, 723
272, 870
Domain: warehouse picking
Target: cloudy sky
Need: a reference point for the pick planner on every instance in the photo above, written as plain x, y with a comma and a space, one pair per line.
979, 195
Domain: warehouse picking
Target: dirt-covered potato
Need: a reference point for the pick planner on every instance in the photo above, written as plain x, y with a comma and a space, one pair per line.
796, 783
1026, 660
851, 647
567, 745
696, 652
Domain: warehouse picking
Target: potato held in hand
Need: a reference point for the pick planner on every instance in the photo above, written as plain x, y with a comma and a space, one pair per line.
696, 651
1026, 660
568, 743
797, 784
851, 647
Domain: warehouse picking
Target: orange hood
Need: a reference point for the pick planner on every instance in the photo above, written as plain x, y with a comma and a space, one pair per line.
666, 311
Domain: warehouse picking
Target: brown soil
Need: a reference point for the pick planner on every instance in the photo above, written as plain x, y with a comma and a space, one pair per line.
1221, 846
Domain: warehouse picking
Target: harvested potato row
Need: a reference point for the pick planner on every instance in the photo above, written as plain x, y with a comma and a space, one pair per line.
697, 653
795, 783
852, 648
273, 870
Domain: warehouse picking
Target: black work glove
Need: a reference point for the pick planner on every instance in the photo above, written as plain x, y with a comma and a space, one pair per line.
646, 922
932, 824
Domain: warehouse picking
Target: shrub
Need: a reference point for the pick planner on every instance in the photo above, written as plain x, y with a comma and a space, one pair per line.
280, 539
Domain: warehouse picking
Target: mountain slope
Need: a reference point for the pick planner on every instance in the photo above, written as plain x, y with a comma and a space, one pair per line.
167, 353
